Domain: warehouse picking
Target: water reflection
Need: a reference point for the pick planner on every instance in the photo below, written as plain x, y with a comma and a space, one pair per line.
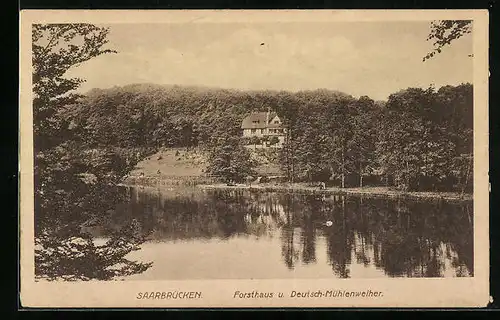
285, 235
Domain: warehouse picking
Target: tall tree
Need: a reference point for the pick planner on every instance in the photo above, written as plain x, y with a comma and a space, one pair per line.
72, 186
362, 143
340, 131
229, 160
423, 134
287, 106
55, 49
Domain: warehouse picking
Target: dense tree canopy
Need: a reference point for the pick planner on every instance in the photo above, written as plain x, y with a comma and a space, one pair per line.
420, 139
229, 159
426, 137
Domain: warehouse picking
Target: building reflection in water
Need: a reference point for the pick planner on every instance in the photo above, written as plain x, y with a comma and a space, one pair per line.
401, 238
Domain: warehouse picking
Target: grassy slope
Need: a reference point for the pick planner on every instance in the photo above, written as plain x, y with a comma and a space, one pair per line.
175, 162
179, 162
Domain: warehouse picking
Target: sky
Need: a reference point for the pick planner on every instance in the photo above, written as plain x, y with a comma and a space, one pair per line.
358, 58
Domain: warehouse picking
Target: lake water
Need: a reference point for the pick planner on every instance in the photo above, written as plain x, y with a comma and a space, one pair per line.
241, 234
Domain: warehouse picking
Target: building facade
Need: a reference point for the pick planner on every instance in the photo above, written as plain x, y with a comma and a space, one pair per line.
264, 125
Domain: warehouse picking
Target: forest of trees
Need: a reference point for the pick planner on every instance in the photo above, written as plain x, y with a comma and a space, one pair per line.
419, 139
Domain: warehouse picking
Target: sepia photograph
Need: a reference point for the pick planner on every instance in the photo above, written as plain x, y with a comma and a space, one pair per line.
215, 149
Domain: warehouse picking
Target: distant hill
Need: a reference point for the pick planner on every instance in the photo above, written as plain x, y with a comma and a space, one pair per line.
148, 87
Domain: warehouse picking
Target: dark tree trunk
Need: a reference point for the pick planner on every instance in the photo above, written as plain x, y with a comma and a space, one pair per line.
343, 168
293, 158
407, 187
469, 165
360, 176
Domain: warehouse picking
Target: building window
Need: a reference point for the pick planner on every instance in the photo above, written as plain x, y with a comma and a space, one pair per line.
252, 130
261, 130
276, 122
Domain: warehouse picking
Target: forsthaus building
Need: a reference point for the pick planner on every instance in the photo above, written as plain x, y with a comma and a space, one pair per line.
264, 125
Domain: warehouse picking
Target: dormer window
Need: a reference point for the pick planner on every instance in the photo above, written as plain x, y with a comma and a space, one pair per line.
276, 122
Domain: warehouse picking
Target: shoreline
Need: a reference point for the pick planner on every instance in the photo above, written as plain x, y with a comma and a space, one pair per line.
381, 192
373, 192
176, 168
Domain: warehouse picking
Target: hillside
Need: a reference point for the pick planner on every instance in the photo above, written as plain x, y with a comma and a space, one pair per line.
183, 164
172, 162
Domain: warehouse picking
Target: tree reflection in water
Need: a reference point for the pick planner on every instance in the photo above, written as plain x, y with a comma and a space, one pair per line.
402, 238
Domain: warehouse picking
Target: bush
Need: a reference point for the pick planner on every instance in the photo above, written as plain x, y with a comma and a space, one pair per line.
230, 160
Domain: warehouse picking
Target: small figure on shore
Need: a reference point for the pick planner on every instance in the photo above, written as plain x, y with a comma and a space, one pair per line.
322, 186
249, 180
158, 172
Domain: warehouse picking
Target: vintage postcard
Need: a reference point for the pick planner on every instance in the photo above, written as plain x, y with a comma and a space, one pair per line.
254, 158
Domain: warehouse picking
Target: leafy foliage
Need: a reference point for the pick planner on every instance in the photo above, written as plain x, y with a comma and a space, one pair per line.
424, 133
230, 160
55, 49
418, 139
79, 258
444, 32
273, 140
74, 178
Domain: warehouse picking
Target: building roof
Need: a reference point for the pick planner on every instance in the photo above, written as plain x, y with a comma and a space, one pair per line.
258, 120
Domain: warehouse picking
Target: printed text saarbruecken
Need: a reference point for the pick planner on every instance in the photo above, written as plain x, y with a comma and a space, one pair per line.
163, 295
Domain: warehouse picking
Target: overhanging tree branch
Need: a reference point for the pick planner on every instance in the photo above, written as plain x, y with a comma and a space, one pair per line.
444, 32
